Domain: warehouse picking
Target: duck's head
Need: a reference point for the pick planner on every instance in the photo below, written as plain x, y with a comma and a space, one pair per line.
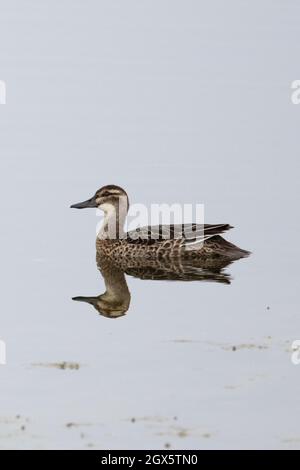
109, 308
106, 198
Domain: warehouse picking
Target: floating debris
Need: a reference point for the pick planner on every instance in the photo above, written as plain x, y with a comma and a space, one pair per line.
60, 365
183, 433
249, 346
70, 425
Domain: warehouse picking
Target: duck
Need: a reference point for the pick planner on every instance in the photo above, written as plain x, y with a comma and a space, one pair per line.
174, 241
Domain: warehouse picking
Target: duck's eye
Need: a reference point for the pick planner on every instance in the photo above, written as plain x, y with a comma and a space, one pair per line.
105, 193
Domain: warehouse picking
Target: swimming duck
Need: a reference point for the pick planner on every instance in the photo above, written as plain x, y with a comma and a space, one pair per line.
188, 241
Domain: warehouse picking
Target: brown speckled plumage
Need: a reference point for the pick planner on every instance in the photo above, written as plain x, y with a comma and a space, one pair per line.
215, 247
189, 241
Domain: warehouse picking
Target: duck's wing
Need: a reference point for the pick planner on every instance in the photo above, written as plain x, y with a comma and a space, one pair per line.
195, 238
189, 233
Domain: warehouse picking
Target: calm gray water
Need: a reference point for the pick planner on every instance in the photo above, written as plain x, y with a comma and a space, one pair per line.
175, 101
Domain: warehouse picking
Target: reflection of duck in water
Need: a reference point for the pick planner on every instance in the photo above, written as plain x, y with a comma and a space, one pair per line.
187, 241
115, 301
191, 252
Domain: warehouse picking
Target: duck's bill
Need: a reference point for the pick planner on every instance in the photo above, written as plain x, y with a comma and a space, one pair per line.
88, 300
85, 204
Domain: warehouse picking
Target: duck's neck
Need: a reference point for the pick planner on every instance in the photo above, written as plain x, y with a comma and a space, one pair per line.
116, 286
114, 220
117, 291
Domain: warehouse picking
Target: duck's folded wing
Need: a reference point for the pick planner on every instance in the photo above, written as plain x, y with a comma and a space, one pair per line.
189, 233
196, 238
